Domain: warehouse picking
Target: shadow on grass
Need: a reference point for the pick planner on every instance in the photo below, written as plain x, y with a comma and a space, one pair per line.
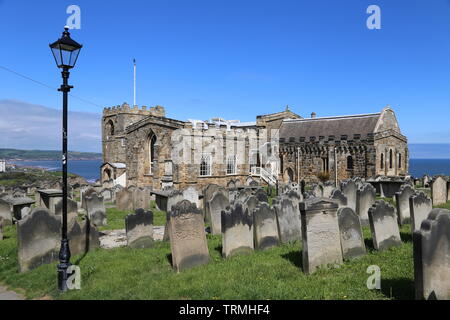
295, 257
398, 289
369, 244
219, 249
169, 258
406, 236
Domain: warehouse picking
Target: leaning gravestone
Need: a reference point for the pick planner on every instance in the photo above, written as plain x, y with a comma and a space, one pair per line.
216, 205
288, 219
83, 236
96, 210
439, 191
339, 197
366, 197
124, 201
349, 189
38, 238
187, 236
72, 207
265, 227
432, 257
402, 202
420, 207
383, 225
5, 212
320, 233
352, 239
237, 231
139, 229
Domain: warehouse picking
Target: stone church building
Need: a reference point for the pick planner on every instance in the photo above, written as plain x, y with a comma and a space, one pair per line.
141, 147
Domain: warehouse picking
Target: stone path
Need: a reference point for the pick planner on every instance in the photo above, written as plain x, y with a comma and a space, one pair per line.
9, 295
111, 239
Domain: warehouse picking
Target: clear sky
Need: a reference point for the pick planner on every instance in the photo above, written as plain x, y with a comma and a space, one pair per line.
238, 59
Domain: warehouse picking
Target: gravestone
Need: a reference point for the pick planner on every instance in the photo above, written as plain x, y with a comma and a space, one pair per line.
208, 193
86, 192
288, 219
432, 257
124, 201
83, 236
5, 212
261, 195
237, 231
1, 228
233, 195
402, 202
191, 195
49, 198
107, 195
139, 229
140, 198
339, 197
317, 191
327, 190
383, 225
72, 207
216, 205
243, 195
366, 197
420, 207
96, 210
265, 227
187, 236
251, 203
174, 198
320, 234
352, 239
349, 190
439, 191
38, 239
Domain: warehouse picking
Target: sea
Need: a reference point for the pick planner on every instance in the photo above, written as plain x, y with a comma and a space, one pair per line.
90, 169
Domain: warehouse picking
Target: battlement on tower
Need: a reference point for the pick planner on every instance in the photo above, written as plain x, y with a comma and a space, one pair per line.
156, 111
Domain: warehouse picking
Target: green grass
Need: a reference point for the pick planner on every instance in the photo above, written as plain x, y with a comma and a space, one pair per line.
116, 218
125, 273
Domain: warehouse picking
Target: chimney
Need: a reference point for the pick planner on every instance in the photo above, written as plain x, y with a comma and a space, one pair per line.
313, 115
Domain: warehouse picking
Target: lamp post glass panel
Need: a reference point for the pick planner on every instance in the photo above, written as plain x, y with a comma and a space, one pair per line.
65, 51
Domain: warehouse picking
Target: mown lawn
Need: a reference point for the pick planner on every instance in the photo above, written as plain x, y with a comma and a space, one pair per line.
125, 273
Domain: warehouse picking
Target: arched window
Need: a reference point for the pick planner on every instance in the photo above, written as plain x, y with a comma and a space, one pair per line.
349, 163
110, 128
382, 161
390, 159
151, 150
399, 160
205, 165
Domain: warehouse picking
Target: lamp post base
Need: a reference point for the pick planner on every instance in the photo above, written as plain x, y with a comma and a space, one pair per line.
64, 264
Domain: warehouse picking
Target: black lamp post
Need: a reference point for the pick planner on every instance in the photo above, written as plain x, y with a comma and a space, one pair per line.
65, 52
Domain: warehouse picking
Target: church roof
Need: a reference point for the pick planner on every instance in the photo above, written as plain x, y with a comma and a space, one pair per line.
330, 126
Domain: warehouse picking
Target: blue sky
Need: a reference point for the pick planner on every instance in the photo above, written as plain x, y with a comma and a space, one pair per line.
237, 59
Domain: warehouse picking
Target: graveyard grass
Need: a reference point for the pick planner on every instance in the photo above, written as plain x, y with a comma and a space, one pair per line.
125, 273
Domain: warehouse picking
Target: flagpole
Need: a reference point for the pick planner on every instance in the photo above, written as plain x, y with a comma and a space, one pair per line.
134, 87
